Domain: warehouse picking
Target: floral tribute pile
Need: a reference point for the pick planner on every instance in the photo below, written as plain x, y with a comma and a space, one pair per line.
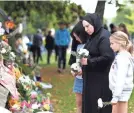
19, 93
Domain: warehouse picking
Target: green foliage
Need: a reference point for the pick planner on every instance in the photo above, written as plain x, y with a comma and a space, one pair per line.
121, 16
126, 16
25, 69
130, 25
42, 14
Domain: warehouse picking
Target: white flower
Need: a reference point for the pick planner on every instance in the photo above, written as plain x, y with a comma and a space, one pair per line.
100, 103
12, 54
75, 67
20, 28
0, 24
2, 31
45, 86
35, 106
25, 79
33, 93
82, 52
3, 50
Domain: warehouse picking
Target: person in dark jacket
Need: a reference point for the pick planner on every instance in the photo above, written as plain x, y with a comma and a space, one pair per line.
113, 28
37, 42
96, 66
49, 46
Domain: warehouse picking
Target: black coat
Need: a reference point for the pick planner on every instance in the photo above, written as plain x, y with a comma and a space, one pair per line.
95, 74
49, 43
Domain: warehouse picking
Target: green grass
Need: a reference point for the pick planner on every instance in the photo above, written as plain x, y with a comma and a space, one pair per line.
63, 98
131, 103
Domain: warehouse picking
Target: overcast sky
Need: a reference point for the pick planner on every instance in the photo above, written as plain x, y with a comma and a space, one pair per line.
89, 6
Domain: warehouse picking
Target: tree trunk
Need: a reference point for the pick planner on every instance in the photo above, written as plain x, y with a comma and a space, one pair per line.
100, 9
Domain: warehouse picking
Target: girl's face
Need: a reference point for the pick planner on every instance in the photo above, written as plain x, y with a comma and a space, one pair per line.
88, 27
77, 37
115, 46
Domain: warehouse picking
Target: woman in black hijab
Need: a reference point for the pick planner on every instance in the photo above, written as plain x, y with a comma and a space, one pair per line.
96, 66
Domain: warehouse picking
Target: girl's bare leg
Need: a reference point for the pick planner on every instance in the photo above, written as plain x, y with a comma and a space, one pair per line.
115, 108
79, 102
122, 107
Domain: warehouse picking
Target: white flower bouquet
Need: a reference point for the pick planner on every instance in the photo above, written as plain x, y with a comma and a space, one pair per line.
76, 67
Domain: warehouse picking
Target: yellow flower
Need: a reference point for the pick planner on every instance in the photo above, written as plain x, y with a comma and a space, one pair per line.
13, 102
25, 51
17, 73
4, 37
46, 107
37, 84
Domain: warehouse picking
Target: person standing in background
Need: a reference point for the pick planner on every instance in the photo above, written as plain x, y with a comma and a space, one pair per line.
37, 42
123, 28
62, 40
113, 28
49, 46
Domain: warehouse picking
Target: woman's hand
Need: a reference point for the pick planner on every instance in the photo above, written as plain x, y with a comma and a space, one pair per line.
83, 61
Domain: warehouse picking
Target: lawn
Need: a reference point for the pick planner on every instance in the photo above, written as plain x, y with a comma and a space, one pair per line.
63, 98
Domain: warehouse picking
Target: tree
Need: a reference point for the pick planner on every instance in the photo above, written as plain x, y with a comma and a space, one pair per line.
42, 14
100, 9
125, 15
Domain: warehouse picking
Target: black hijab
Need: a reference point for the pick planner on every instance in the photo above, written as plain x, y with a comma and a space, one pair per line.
94, 20
80, 31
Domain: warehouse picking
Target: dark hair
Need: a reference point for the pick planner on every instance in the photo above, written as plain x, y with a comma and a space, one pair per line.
61, 23
111, 26
124, 28
49, 32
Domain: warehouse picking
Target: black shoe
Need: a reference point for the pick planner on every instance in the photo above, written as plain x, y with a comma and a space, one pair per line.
59, 70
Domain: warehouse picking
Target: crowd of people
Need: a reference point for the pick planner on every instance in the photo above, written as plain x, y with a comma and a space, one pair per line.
107, 72
34, 45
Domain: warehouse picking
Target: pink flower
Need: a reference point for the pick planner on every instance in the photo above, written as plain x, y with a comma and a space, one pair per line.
25, 103
33, 94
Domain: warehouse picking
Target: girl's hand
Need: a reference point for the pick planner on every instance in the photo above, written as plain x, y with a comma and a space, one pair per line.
75, 74
83, 61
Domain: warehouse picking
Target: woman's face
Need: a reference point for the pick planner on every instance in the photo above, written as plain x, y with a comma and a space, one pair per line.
88, 27
115, 46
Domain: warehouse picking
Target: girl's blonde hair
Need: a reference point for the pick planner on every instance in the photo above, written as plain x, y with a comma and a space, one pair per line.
122, 38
